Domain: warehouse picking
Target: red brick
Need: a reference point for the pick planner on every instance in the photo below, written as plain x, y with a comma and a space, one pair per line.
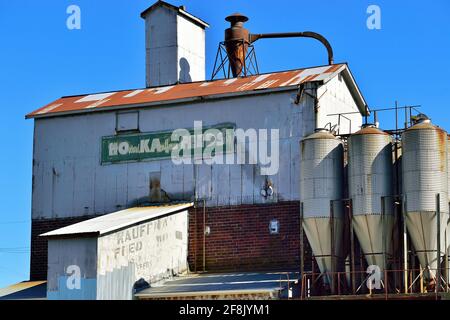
239, 239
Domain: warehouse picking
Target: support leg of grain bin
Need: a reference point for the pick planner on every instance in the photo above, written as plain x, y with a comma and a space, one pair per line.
438, 235
333, 249
405, 246
384, 235
352, 246
204, 235
447, 278
302, 245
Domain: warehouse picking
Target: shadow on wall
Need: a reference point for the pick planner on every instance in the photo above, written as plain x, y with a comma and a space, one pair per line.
185, 70
140, 285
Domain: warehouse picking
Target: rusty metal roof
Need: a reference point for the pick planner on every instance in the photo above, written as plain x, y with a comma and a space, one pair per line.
425, 125
370, 130
117, 220
321, 134
198, 91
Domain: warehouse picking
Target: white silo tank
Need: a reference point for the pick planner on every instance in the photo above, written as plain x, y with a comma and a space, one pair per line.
448, 179
448, 166
425, 175
370, 178
321, 181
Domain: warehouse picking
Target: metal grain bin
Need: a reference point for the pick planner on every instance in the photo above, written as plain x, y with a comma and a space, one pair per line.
448, 166
448, 184
370, 177
321, 182
424, 176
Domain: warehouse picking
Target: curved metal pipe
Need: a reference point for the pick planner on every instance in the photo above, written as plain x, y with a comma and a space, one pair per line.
306, 34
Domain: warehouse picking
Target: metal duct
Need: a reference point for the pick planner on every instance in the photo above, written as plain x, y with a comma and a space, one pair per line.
238, 39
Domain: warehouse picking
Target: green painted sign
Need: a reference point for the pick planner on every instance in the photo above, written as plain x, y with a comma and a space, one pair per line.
160, 145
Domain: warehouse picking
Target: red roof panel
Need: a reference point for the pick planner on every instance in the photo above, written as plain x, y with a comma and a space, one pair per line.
185, 91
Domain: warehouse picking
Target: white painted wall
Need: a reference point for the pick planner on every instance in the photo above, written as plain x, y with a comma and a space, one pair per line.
68, 261
151, 251
161, 47
68, 179
106, 268
335, 97
191, 49
175, 48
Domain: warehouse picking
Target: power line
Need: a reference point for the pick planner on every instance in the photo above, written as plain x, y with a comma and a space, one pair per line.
14, 272
17, 250
15, 222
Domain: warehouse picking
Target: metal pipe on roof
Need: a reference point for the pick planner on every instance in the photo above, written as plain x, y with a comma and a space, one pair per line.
305, 34
238, 39
237, 42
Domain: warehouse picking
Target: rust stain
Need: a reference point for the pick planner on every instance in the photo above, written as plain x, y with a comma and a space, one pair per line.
184, 91
333, 68
442, 145
370, 130
155, 187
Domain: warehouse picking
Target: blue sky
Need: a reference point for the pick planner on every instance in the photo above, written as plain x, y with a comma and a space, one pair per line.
41, 60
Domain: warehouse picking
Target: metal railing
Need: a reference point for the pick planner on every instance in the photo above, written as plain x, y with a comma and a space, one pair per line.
391, 283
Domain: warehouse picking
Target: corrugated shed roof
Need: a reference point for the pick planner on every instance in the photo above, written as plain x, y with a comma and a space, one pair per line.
226, 284
24, 290
117, 220
196, 91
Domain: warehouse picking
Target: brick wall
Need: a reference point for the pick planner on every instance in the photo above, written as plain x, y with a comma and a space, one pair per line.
240, 239
38, 261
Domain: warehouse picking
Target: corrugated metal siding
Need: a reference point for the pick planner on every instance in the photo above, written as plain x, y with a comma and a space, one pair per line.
448, 167
67, 158
371, 178
69, 179
321, 179
111, 264
370, 172
425, 174
151, 251
63, 253
425, 169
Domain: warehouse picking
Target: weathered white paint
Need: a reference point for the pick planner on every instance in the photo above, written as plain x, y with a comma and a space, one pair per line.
95, 97
128, 121
151, 251
175, 48
110, 265
334, 97
191, 47
50, 108
68, 179
64, 253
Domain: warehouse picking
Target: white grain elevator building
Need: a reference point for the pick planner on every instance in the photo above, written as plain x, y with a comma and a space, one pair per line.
102, 153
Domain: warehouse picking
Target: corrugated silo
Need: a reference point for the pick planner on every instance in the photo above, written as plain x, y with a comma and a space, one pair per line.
448, 179
448, 166
370, 178
424, 176
321, 182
